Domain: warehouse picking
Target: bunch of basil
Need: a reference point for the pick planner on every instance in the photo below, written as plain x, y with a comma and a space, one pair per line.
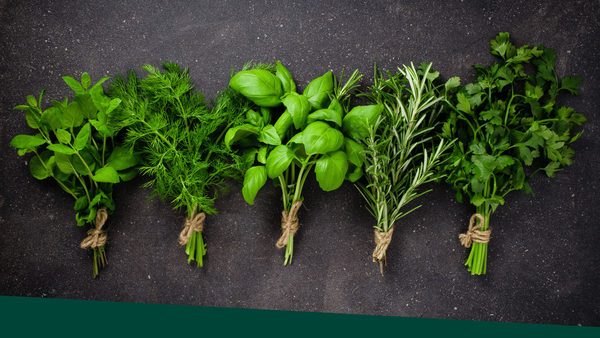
312, 130
83, 160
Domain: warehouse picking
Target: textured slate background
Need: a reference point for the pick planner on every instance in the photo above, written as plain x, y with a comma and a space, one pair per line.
543, 260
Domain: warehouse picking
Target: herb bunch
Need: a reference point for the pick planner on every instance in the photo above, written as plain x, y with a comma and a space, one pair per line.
505, 122
309, 133
80, 154
400, 153
180, 141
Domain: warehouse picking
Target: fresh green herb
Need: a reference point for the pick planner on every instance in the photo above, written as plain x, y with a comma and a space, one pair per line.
80, 154
399, 152
307, 134
180, 142
505, 122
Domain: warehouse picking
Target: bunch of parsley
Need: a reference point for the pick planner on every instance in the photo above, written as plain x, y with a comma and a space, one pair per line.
505, 122
179, 139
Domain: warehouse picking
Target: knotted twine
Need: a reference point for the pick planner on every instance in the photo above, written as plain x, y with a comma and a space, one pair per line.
474, 235
289, 224
382, 239
193, 223
96, 237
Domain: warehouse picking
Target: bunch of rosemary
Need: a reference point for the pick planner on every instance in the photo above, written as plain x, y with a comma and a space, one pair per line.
400, 151
179, 139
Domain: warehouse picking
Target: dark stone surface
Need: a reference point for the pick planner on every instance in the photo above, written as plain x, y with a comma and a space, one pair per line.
543, 261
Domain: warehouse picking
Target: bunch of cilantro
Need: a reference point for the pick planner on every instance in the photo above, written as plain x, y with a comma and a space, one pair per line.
179, 139
504, 123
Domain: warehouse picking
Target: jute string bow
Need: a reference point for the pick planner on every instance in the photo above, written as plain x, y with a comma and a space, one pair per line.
382, 239
96, 237
474, 235
289, 224
194, 223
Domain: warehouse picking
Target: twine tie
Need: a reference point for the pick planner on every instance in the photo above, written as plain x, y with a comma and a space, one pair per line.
289, 224
96, 237
193, 223
474, 235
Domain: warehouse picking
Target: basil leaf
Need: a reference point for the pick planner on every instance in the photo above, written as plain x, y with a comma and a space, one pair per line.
249, 155
325, 115
269, 136
285, 77
239, 132
331, 170
299, 107
254, 179
262, 155
355, 175
283, 124
354, 152
317, 92
279, 160
320, 138
357, 122
259, 86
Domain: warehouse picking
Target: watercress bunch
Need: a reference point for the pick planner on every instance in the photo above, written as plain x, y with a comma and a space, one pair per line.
80, 154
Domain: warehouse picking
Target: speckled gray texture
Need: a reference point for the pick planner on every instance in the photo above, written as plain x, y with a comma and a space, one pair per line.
543, 263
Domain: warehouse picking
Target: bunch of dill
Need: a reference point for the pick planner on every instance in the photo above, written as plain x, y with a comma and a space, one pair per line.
179, 139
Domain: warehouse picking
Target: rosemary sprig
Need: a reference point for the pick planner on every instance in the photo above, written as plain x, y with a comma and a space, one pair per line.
400, 153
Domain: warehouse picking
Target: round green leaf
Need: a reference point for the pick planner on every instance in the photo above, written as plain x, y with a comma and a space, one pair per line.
63, 136
325, 115
354, 152
121, 159
357, 122
26, 141
259, 86
236, 133
317, 92
285, 77
61, 148
283, 124
254, 179
269, 135
331, 170
37, 168
279, 160
297, 105
320, 138
107, 175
